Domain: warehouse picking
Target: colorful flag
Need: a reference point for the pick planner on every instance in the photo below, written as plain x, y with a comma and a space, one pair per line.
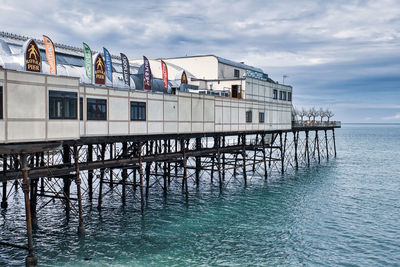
32, 56
164, 74
87, 54
107, 58
99, 70
125, 70
147, 74
50, 54
184, 79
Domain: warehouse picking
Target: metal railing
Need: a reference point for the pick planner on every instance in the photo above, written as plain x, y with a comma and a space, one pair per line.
309, 123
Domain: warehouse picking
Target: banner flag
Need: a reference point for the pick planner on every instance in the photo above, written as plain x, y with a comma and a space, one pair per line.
107, 59
125, 70
164, 74
50, 54
184, 79
32, 56
87, 54
99, 70
147, 79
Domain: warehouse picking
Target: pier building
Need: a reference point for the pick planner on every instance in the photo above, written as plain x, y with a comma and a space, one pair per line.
67, 137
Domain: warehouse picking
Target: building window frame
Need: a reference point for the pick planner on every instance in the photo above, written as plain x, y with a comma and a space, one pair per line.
96, 109
275, 94
249, 116
1, 102
63, 105
289, 96
138, 111
236, 73
81, 108
261, 117
280, 95
284, 95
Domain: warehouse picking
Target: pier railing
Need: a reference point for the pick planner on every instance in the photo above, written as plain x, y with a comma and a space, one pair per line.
309, 123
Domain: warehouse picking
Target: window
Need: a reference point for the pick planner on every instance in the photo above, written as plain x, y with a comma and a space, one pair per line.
249, 116
283, 95
261, 116
81, 108
1, 102
280, 95
96, 109
275, 94
138, 111
289, 96
236, 73
62, 105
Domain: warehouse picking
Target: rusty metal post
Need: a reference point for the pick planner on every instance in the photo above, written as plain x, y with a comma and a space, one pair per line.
307, 150
244, 159
334, 140
185, 177
326, 146
198, 161
148, 166
111, 169
90, 172
295, 141
102, 170
141, 181
270, 150
318, 152
4, 203
283, 153
66, 179
212, 167
255, 154
124, 172
81, 227
223, 159
31, 259
219, 170
264, 157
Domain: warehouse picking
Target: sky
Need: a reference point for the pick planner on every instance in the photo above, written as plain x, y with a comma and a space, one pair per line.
340, 55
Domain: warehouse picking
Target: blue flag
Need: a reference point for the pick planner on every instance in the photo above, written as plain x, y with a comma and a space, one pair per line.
108, 62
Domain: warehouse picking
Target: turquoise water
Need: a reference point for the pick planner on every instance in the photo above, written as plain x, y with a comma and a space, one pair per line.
345, 212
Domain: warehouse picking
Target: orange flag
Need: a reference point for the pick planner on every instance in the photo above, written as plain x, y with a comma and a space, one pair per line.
50, 54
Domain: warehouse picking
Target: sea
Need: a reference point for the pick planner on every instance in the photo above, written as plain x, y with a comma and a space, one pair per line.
342, 212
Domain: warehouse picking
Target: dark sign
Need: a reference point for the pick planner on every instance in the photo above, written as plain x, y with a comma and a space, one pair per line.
32, 57
99, 70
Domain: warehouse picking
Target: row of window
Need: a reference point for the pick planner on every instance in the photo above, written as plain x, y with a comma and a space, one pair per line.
283, 95
63, 105
249, 116
1, 102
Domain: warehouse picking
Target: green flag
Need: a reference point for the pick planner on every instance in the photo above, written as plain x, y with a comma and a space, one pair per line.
87, 53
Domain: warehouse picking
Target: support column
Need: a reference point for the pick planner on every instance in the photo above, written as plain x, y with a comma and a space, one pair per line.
124, 172
4, 203
198, 161
90, 172
244, 159
264, 157
317, 141
185, 178
100, 199
148, 166
334, 140
255, 154
81, 227
295, 141
66, 179
31, 259
307, 150
326, 146
141, 182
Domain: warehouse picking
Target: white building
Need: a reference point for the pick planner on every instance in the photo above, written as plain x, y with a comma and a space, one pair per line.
42, 107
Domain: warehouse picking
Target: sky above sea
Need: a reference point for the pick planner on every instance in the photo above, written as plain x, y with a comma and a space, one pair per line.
341, 55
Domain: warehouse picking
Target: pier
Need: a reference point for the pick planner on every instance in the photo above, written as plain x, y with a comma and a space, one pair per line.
79, 141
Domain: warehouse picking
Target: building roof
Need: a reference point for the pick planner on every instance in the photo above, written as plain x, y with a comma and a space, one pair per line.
225, 61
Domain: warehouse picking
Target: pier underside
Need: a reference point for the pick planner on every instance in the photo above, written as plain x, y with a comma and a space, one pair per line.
84, 172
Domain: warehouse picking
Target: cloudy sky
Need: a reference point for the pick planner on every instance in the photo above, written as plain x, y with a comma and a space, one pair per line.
342, 55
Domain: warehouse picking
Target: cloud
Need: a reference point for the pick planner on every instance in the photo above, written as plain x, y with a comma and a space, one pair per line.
394, 117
